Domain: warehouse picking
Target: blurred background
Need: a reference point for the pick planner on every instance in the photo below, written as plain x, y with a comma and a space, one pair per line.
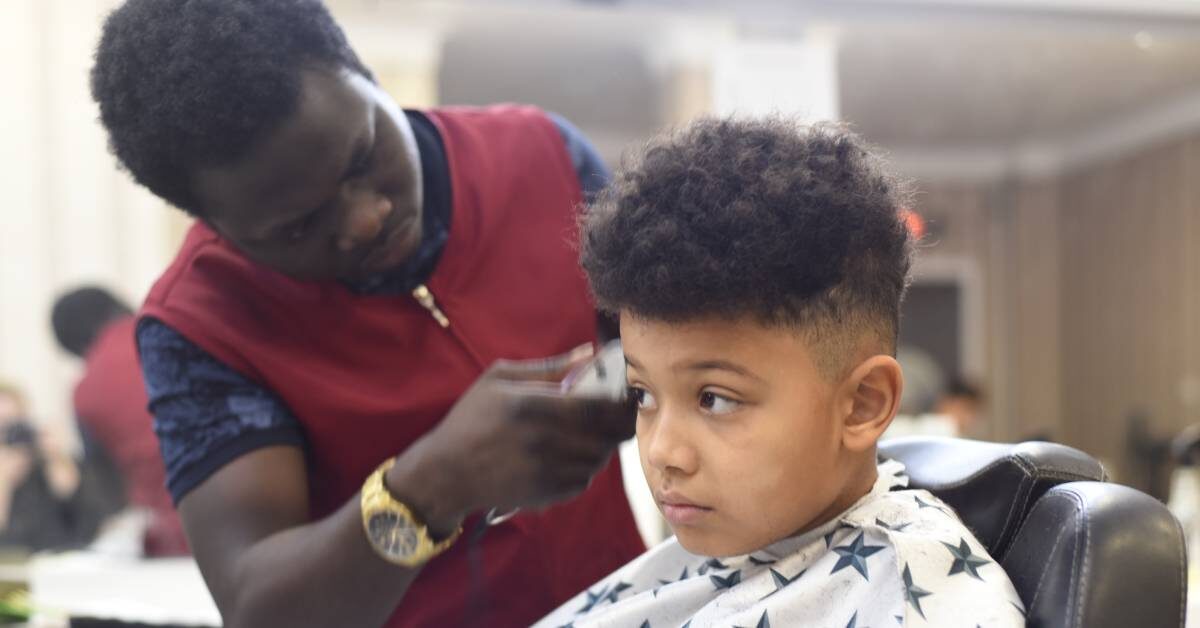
1055, 146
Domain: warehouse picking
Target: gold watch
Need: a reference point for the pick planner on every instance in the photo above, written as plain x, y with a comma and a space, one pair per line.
392, 529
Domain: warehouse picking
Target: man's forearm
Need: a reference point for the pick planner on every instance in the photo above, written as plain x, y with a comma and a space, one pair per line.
321, 574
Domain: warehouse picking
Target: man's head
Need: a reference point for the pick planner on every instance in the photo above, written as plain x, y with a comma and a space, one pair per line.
757, 267
257, 117
80, 315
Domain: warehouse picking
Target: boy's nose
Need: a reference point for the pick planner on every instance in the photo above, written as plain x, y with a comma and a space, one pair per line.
667, 446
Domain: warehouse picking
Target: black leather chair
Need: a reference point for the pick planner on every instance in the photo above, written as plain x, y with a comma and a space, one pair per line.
1081, 553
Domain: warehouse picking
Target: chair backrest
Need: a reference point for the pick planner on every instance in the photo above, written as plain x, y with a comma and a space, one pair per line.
991, 485
1095, 555
1081, 553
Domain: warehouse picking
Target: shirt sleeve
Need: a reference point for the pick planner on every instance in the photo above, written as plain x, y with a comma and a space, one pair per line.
205, 413
593, 174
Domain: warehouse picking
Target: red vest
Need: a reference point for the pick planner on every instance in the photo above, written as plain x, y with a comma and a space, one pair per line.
110, 402
368, 375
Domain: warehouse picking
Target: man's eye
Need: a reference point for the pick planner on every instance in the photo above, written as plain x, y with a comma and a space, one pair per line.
301, 229
645, 400
716, 404
361, 165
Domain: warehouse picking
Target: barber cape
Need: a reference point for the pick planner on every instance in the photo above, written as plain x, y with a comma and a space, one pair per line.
898, 557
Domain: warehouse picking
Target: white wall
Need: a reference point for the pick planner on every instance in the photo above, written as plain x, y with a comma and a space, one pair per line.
70, 215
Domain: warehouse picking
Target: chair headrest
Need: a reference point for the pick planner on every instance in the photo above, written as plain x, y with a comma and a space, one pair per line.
1101, 556
990, 485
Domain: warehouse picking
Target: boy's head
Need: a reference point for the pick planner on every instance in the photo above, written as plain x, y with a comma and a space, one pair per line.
757, 267
258, 117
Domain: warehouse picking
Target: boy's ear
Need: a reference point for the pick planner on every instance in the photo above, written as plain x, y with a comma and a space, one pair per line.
871, 397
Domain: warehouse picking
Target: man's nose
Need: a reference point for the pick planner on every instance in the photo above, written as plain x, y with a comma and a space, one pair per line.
365, 214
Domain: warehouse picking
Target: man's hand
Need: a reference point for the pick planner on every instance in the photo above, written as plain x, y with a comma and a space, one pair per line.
512, 440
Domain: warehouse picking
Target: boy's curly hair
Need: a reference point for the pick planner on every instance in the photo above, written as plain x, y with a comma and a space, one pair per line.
789, 224
184, 84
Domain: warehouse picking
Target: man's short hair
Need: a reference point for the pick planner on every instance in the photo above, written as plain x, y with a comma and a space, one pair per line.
789, 224
184, 84
80, 315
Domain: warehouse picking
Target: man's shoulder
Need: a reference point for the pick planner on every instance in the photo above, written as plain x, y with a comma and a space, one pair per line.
494, 115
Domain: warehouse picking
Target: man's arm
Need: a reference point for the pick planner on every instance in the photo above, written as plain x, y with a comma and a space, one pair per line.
235, 465
266, 563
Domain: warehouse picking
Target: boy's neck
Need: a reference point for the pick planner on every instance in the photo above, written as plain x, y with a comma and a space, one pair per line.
860, 483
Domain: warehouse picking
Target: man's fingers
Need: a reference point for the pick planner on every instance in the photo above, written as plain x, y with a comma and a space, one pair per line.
611, 420
552, 369
616, 419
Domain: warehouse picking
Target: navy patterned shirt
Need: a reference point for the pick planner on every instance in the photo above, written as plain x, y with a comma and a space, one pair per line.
206, 414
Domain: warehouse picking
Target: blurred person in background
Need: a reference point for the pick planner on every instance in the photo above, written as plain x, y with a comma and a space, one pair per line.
340, 318
938, 409
45, 503
924, 381
962, 403
110, 406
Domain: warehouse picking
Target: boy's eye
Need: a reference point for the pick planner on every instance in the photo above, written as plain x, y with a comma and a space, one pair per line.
716, 404
645, 400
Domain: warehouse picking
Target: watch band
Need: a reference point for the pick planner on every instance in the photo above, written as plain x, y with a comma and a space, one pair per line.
377, 499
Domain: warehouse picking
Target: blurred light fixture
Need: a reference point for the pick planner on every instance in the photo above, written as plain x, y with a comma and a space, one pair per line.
1143, 40
915, 223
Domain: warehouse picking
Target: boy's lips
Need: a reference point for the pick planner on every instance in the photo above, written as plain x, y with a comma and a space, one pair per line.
679, 510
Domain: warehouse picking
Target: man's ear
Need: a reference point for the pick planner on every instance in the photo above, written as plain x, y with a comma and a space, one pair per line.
871, 395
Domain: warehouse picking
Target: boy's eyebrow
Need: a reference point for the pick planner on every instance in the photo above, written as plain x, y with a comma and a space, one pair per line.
722, 365
708, 365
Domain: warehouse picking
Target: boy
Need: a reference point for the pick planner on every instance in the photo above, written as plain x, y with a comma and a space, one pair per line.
757, 268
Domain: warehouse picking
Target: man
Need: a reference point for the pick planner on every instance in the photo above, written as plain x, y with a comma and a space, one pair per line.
329, 323
110, 406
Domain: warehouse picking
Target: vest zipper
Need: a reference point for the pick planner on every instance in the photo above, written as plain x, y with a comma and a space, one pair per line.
425, 298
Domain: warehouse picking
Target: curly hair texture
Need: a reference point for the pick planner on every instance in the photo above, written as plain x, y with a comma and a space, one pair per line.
767, 218
186, 84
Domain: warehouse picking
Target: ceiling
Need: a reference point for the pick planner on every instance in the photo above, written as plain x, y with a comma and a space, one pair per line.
930, 83
936, 76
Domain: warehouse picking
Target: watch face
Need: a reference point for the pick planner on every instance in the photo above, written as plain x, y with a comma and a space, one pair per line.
392, 534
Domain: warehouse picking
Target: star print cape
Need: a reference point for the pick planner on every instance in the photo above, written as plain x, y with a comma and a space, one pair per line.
898, 557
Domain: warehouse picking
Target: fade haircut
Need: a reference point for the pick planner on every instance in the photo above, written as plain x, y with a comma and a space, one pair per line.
789, 224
